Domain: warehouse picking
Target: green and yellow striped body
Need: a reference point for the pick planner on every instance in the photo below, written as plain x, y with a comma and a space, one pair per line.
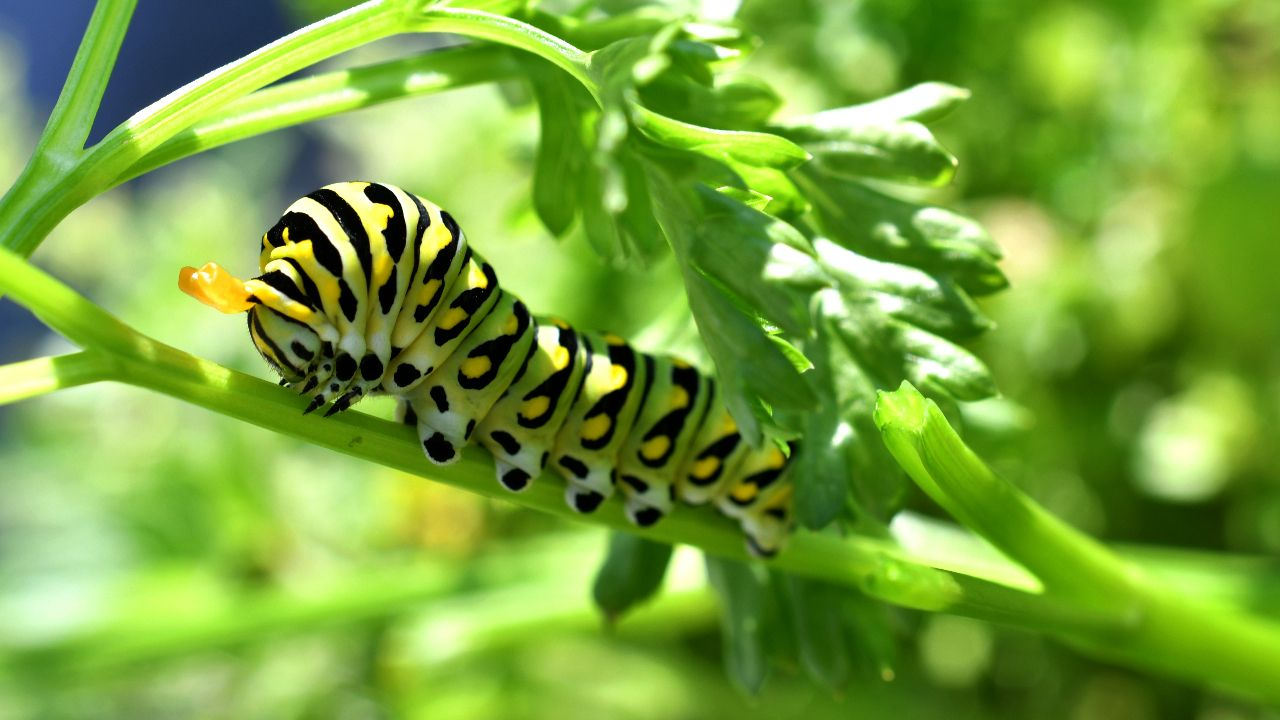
366, 289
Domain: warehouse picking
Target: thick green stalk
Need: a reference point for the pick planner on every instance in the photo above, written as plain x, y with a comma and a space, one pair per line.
1162, 629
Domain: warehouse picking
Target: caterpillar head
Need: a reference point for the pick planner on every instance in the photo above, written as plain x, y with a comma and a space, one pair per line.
289, 346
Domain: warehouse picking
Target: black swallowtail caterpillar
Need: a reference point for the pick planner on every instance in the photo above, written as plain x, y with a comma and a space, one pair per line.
366, 288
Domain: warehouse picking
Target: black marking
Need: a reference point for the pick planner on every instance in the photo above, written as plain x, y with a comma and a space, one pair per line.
545, 457
509, 444
612, 402
347, 300
496, 350
721, 449
439, 449
585, 502
283, 382
646, 517
395, 233
410, 415
301, 350
389, 291
450, 224
515, 479
308, 285
406, 374
573, 465
311, 385
471, 427
424, 222
370, 367
777, 513
346, 367
555, 386
316, 402
441, 398
285, 285
334, 387
469, 301
303, 227
636, 483
757, 549
348, 218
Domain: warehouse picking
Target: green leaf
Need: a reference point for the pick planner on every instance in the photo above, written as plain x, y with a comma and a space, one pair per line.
741, 103
902, 151
742, 598
816, 612
903, 292
751, 148
750, 365
923, 103
632, 572
764, 261
561, 152
931, 238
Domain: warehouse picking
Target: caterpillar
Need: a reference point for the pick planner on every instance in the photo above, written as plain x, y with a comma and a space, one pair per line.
368, 289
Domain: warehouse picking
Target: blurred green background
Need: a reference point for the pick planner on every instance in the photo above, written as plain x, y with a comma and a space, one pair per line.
159, 561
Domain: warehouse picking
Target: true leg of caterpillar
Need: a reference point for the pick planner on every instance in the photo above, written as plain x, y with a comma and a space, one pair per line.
453, 400
520, 429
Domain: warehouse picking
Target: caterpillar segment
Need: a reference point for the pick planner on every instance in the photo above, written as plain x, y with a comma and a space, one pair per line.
367, 289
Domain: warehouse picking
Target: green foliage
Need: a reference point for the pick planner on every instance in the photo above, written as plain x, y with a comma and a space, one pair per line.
808, 247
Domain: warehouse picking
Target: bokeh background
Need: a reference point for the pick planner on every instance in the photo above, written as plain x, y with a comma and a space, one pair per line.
160, 561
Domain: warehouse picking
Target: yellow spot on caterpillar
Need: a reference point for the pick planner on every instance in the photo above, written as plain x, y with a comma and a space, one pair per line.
535, 407
745, 492
679, 398
655, 448
509, 327
451, 318
705, 468
776, 458
560, 323
727, 425
560, 358
596, 427
614, 339
475, 367
381, 267
439, 237
429, 290
477, 278
215, 287
617, 378
680, 363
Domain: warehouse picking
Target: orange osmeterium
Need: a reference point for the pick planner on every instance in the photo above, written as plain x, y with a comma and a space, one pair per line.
215, 287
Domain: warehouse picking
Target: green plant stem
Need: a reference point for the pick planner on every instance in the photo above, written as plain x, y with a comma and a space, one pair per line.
25, 221
62, 143
328, 94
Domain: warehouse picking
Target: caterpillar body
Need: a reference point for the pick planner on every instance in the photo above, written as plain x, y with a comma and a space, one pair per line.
368, 289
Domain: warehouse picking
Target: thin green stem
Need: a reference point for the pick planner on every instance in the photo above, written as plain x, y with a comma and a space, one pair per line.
62, 142
505, 30
24, 229
328, 94
73, 115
